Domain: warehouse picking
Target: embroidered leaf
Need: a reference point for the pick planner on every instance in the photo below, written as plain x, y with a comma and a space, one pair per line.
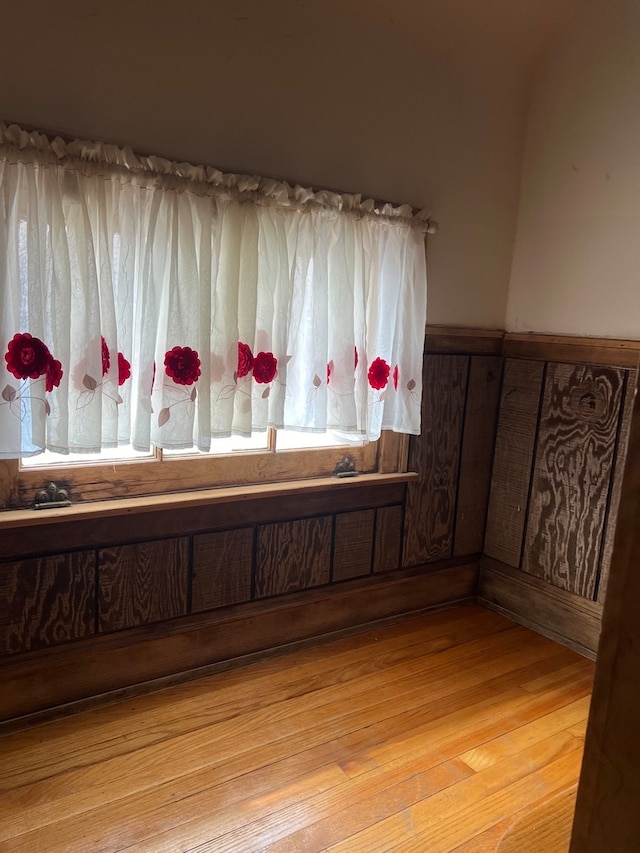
266, 393
164, 416
317, 381
235, 375
411, 384
9, 393
89, 382
245, 404
382, 396
193, 395
288, 359
47, 407
118, 399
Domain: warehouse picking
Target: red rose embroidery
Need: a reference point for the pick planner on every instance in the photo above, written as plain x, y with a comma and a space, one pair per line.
378, 374
329, 371
264, 367
182, 364
27, 357
54, 374
245, 359
395, 377
355, 357
124, 369
106, 357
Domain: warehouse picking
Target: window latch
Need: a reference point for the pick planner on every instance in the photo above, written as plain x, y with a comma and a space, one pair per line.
345, 468
51, 496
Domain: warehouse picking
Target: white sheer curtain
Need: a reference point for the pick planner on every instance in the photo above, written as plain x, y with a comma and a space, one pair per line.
146, 302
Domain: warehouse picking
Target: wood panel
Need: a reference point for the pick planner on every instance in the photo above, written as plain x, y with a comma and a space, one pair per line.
617, 475
435, 455
388, 544
353, 544
222, 564
563, 616
513, 460
142, 583
184, 648
47, 600
481, 413
572, 475
119, 522
292, 556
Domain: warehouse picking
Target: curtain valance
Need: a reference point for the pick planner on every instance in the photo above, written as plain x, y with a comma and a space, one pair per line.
147, 302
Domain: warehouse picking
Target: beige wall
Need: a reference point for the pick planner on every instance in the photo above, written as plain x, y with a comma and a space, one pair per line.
406, 101
576, 263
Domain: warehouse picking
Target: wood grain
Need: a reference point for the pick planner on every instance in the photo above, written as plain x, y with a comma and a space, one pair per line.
513, 460
567, 618
9, 483
617, 474
142, 583
46, 601
353, 545
572, 475
481, 413
388, 544
607, 814
435, 455
306, 751
545, 827
393, 452
293, 556
222, 565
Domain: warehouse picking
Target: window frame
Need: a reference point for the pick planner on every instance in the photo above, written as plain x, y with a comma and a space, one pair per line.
156, 476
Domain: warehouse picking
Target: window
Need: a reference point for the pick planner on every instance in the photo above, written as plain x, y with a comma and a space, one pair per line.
150, 304
162, 472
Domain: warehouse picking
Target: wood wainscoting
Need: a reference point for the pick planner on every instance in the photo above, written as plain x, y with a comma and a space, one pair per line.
561, 445
520, 459
101, 598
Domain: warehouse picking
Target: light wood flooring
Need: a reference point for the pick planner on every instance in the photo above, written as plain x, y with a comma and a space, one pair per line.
449, 731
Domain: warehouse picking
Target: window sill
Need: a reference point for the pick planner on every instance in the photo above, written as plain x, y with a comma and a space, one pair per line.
30, 518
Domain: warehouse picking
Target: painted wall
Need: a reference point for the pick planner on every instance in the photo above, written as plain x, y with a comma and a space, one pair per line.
576, 266
417, 102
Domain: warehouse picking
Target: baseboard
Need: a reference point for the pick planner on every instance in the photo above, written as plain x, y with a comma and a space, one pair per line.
562, 616
39, 683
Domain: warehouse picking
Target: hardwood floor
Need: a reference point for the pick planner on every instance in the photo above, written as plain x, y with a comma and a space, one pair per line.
438, 733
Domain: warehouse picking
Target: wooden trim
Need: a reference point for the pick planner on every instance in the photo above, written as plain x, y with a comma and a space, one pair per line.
184, 500
9, 484
453, 340
189, 647
562, 616
394, 450
574, 350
